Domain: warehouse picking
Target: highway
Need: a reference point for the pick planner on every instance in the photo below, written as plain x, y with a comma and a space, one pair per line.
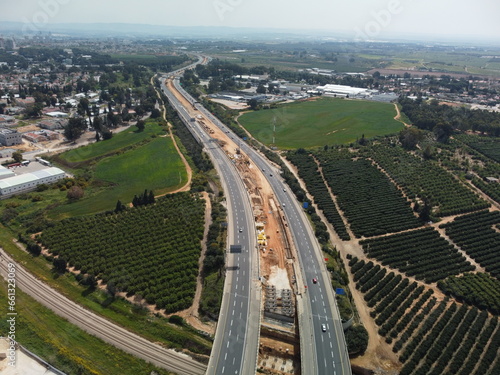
99, 326
323, 353
237, 336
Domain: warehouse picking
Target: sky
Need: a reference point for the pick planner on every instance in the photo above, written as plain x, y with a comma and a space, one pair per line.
366, 19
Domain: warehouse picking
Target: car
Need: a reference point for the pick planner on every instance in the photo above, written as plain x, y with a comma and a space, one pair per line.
283, 205
315, 281
323, 327
284, 190
241, 230
271, 175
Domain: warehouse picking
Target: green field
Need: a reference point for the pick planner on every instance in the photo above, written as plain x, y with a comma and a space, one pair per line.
155, 166
321, 122
119, 141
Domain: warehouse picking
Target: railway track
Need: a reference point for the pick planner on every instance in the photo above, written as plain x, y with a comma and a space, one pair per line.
99, 326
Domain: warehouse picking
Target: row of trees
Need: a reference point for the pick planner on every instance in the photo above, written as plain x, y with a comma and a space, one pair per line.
436, 117
144, 199
308, 171
151, 251
478, 289
476, 235
425, 180
371, 202
432, 337
423, 254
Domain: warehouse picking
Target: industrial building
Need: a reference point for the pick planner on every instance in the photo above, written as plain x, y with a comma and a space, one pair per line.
9, 137
5, 172
342, 90
29, 181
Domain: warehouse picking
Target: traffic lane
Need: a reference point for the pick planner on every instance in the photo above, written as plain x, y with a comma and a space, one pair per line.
236, 323
235, 329
327, 356
286, 199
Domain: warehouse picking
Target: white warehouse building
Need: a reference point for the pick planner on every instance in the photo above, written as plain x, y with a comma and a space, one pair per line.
5, 172
342, 90
29, 181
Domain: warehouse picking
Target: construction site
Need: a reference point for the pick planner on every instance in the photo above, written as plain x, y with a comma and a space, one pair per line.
279, 351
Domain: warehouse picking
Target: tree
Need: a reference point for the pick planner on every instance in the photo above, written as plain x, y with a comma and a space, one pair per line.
17, 156
34, 249
409, 137
75, 128
357, 339
141, 125
151, 198
443, 131
362, 141
155, 113
75, 193
261, 89
34, 110
428, 152
111, 288
119, 207
59, 264
425, 212
253, 103
97, 123
106, 134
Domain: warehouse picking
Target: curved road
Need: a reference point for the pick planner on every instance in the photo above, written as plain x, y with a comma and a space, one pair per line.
99, 326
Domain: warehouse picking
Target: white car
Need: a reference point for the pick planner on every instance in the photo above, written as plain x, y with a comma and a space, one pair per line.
323, 327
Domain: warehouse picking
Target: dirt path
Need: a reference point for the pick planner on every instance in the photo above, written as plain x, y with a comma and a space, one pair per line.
398, 116
191, 314
189, 171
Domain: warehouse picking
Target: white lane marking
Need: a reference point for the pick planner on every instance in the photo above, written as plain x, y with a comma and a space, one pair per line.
225, 357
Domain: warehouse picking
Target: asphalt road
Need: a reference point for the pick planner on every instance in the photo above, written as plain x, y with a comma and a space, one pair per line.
98, 326
321, 352
236, 342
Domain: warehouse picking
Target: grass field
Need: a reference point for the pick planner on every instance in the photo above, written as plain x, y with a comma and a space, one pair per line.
119, 141
155, 166
321, 122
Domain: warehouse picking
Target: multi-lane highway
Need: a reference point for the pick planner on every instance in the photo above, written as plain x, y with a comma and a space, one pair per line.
236, 341
321, 352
